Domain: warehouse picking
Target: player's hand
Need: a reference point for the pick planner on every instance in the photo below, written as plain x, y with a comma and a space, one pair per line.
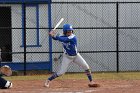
52, 33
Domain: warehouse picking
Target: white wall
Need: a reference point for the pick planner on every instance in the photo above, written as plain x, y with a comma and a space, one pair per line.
31, 33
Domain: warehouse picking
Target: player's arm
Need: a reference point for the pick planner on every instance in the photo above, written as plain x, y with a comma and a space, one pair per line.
53, 34
63, 39
56, 36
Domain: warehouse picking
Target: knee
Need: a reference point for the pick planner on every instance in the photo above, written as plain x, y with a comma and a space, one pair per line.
88, 71
60, 74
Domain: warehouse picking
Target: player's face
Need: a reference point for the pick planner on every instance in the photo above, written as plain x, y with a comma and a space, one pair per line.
69, 33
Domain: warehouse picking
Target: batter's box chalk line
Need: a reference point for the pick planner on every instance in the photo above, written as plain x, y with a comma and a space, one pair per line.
86, 91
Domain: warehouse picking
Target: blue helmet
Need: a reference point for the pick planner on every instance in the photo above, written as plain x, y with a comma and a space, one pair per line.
67, 27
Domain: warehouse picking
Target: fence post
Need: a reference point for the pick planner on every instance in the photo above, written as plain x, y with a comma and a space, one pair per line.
50, 39
24, 30
117, 37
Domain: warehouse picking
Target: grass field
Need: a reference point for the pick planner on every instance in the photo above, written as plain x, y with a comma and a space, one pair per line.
109, 75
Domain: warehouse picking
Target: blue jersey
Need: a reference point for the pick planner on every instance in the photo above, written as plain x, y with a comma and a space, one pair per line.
69, 44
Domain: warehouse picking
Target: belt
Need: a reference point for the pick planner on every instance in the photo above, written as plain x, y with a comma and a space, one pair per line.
70, 55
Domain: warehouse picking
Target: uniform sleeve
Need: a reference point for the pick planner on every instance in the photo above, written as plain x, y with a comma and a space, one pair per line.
54, 38
62, 39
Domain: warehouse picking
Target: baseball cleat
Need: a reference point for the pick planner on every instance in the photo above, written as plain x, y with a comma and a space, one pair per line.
47, 84
92, 84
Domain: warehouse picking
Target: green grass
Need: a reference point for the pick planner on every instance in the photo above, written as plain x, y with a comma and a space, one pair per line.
108, 76
121, 75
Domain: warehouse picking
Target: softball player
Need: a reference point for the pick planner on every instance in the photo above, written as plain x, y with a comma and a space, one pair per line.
69, 42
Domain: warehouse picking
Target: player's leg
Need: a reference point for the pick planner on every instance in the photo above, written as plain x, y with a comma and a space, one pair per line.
64, 65
4, 84
81, 62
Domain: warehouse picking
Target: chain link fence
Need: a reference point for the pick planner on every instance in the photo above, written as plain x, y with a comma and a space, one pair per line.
107, 32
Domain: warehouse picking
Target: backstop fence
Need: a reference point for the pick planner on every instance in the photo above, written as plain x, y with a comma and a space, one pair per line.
108, 34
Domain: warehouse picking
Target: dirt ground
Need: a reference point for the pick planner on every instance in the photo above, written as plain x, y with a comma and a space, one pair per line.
74, 86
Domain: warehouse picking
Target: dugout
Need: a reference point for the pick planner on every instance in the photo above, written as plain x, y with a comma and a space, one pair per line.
32, 17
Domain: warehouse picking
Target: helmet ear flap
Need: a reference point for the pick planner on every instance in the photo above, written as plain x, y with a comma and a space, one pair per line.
65, 32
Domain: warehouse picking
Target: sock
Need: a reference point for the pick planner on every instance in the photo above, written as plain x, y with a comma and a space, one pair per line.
53, 77
88, 73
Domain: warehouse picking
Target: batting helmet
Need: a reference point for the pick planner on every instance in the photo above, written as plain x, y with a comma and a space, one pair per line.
67, 27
